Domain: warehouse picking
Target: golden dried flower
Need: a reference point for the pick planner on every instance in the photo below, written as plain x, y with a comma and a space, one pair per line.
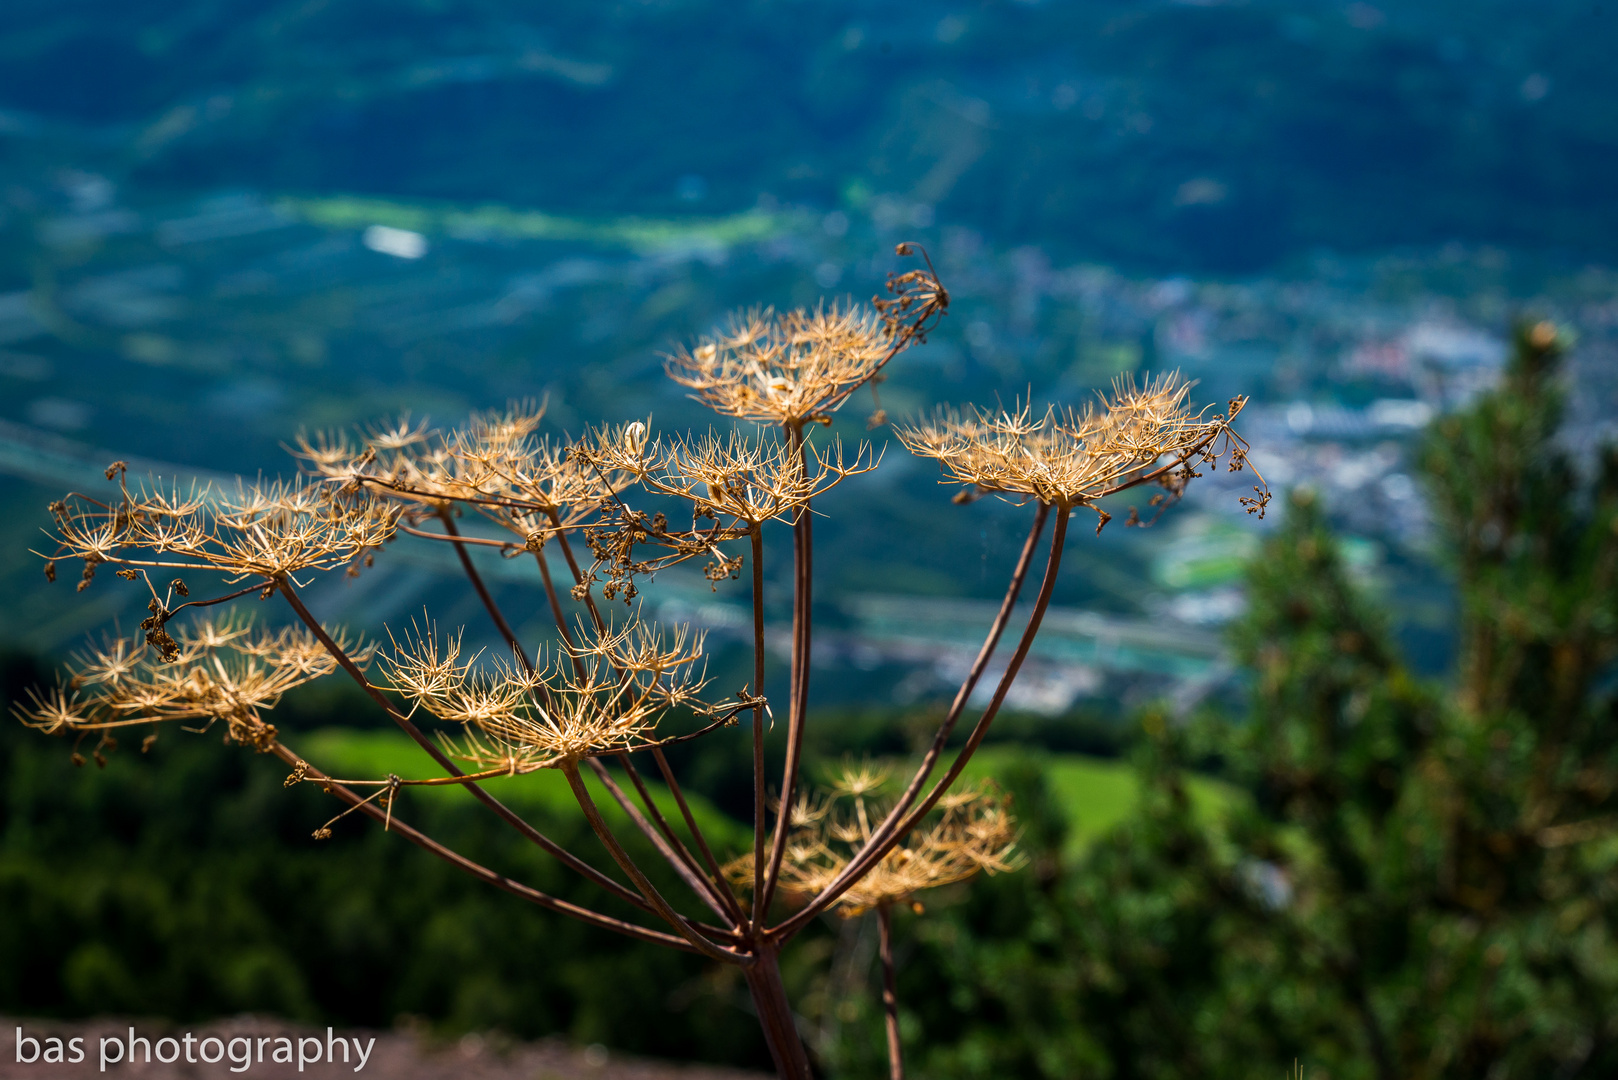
604, 694
1072, 457
974, 833
792, 368
223, 670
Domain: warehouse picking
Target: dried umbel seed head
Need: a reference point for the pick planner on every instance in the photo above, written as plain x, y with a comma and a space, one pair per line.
800, 366
495, 465
605, 694
789, 368
1072, 457
265, 530
221, 670
972, 832
754, 480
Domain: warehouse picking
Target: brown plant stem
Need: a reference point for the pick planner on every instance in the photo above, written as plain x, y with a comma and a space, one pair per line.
872, 852
405, 724
516, 888
1018, 575
758, 729
728, 894
693, 879
691, 872
890, 993
975, 739
680, 859
775, 1016
556, 611
726, 898
798, 702
680, 923
476, 579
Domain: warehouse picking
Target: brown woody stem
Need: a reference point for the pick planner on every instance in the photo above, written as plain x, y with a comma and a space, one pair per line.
681, 925
890, 992
476, 579
872, 852
405, 724
516, 888
681, 861
727, 893
758, 728
776, 1017
688, 868
802, 621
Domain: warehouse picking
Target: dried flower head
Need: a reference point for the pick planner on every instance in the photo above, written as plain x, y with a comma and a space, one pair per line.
605, 694
750, 480
974, 831
789, 368
223, 670
268, 530
1072, 457
528, 485
800, 366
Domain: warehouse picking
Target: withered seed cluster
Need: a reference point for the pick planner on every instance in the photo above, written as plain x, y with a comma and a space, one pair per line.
618, 503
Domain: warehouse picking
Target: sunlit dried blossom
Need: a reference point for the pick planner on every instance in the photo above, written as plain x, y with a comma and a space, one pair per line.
495, 464
800, 366
973, 832
225, 670
604, 694
1072, 457
268, 530
788, 368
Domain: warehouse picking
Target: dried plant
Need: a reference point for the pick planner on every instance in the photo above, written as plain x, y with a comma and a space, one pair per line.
611, 691
974, 831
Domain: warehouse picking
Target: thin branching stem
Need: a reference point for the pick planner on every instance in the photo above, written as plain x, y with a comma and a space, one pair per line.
890, 992
692, 878
477, 541
874, 851
693, 874
727, 893
239, 593
1002, 618
454, 858
680, 923
685, 867
798, 702
758, 729
448, 518
405, 724
557, 613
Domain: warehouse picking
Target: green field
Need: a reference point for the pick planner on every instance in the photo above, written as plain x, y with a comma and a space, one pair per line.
1096, 793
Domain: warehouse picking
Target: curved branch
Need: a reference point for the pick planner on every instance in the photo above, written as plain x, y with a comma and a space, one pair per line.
873, 852
454, 858
405, 724
758, 730
482, 590
679, 922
